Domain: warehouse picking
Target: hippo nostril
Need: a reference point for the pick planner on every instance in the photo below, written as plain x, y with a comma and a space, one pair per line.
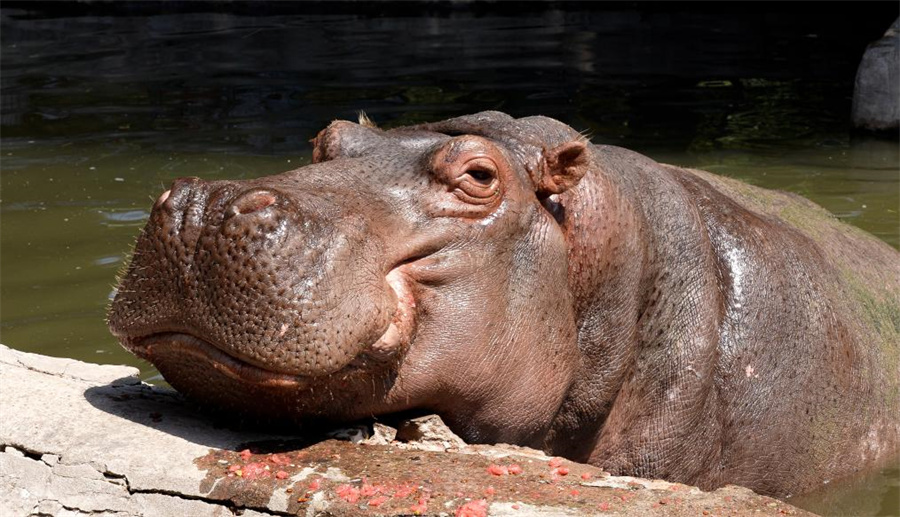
251, 201
180, 195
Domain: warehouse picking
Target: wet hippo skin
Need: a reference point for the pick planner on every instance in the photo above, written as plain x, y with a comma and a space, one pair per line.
531, 288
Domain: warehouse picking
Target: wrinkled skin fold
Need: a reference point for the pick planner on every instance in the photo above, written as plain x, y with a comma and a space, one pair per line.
531, 288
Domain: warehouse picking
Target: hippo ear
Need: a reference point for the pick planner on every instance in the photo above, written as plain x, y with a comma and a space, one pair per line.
345, 139
562, 168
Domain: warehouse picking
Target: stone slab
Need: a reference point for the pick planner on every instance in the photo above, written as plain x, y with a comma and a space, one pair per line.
78, 438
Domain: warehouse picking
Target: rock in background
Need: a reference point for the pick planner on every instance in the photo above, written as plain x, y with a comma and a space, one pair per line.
79, 438
876, 96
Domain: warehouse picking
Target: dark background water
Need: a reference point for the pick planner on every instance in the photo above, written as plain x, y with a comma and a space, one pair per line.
103, 104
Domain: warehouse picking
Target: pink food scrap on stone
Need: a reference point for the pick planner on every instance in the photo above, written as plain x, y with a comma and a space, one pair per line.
497, 470
473, 509
279, 459
256, 470
367, 490
377, 501
514, 469
421, 506
403, 491
348, 493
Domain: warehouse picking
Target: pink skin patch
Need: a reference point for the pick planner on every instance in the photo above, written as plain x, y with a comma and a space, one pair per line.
402, 325
163, 197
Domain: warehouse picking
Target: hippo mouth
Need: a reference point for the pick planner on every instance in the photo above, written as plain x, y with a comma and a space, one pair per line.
187, 345
178, 344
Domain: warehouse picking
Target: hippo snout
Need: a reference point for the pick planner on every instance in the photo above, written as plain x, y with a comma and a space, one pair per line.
253, 272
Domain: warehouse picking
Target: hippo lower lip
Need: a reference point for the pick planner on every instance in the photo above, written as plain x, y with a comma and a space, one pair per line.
170, 343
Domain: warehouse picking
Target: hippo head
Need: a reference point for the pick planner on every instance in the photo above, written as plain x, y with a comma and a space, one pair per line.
422, 267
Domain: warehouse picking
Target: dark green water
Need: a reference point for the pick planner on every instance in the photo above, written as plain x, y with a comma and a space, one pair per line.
102, 109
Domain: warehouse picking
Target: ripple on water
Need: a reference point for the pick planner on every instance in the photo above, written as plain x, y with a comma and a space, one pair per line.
105, 261
124, 217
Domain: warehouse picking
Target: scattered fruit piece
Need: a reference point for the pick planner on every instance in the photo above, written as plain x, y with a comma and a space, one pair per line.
348, 493
473, 509
377, 501
256, 470
497, 470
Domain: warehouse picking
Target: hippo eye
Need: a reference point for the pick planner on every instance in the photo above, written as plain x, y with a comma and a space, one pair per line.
477, 181
481, 175
472, 169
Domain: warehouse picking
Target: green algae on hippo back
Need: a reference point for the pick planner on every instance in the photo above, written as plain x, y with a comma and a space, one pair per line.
531, 288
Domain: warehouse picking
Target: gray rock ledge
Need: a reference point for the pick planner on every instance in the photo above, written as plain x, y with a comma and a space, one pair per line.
876, 94
79, 438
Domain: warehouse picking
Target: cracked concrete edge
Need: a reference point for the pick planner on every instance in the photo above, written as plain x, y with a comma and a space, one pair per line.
42, 475
30, 487
70, 368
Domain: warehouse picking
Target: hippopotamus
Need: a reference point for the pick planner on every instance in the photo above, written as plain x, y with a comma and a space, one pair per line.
530, 288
